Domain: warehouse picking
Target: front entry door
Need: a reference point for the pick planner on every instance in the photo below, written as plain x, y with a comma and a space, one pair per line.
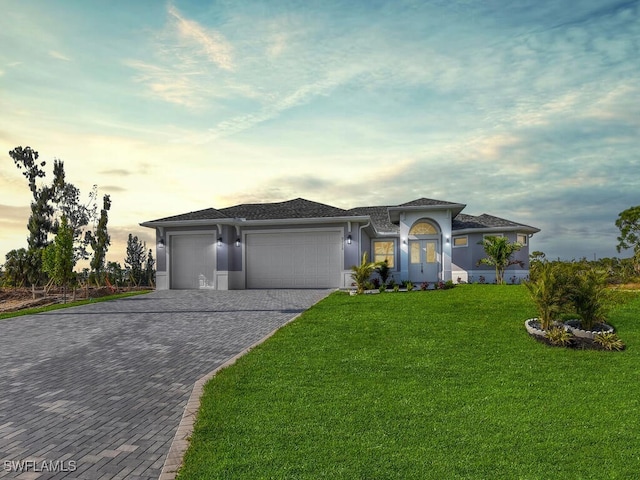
423, 261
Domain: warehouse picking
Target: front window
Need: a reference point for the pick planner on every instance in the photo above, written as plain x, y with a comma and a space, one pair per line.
384, 250
414, 253
423, 227
521, 238
461, 241
431, 252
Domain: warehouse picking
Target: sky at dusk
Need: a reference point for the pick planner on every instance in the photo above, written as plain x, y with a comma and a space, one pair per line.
526, 110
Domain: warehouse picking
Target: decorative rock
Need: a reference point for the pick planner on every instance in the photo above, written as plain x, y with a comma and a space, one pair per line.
533, 327
531, 324
574, 327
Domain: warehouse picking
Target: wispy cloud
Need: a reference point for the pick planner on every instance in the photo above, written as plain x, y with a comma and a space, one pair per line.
188, 56
14, 215
205, 41
299, 96
119, 172
169, 83
114, 188
59, 56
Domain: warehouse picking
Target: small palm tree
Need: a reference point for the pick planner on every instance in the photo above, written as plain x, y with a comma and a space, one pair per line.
362, 272
382, 268
499, 252
587, 293
549, 293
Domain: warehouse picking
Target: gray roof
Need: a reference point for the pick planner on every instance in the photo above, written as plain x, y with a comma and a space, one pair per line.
379, 218
300, 208
206, 214
484, 221
425, 202
296, 208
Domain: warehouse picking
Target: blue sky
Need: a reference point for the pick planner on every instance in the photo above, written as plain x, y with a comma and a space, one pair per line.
528, 110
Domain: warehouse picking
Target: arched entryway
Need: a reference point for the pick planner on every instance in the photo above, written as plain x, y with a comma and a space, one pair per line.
425, 257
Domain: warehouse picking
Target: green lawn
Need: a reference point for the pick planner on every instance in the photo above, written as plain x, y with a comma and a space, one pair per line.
58, 306
439, 384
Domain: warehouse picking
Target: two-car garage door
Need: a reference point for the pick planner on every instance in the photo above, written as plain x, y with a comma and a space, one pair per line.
272, 260
294, 260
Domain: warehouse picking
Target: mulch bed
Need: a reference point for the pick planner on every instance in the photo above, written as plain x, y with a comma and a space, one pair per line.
577, 343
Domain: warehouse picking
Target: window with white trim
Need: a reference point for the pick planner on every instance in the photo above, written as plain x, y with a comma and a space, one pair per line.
460, 241
423, 227
384, 250
522, 238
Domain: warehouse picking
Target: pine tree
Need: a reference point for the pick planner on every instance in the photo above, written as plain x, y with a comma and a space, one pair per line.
100, 240
40, 222
135, 259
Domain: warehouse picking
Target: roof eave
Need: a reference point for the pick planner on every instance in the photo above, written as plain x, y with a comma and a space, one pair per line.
243, 222
515, 228
304, 221
186, 223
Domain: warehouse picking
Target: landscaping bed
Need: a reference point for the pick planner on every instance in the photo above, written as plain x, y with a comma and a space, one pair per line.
577, 341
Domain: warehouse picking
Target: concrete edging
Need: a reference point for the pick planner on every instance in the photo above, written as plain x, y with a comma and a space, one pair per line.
180, 442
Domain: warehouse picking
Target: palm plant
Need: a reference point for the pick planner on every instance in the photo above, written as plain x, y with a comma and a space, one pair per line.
549, 294
587, 293
362, 272
16, 268
382, 268
499, 252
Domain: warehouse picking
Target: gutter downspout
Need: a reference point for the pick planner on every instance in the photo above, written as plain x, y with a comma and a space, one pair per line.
360, 239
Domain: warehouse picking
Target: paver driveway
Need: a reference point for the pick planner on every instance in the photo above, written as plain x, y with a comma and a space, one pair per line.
99, 390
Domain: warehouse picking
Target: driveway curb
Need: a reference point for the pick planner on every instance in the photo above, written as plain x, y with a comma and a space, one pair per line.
180, 442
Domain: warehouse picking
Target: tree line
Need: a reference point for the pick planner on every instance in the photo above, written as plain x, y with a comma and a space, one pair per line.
614, 270
63, 230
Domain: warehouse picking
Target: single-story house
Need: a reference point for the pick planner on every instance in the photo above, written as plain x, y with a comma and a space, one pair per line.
303, 244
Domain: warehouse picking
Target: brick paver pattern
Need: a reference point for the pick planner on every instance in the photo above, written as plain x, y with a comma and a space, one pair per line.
98, 391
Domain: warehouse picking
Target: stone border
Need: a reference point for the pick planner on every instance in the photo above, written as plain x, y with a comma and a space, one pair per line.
180, 443
578, 332
536, 332
532, 330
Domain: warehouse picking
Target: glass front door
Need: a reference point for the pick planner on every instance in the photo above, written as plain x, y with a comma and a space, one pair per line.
424, 262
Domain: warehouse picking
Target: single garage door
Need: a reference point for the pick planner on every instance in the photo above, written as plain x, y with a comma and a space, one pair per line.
294, 260
192, 261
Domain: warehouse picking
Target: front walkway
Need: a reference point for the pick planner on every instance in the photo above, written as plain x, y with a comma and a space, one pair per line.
98, 391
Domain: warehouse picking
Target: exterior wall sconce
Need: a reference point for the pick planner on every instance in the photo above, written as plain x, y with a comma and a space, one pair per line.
161, 242
348, 239
219, 241
447, 238
238, 242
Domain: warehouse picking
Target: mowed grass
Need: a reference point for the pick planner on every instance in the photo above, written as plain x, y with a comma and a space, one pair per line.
59, 306
438, 384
